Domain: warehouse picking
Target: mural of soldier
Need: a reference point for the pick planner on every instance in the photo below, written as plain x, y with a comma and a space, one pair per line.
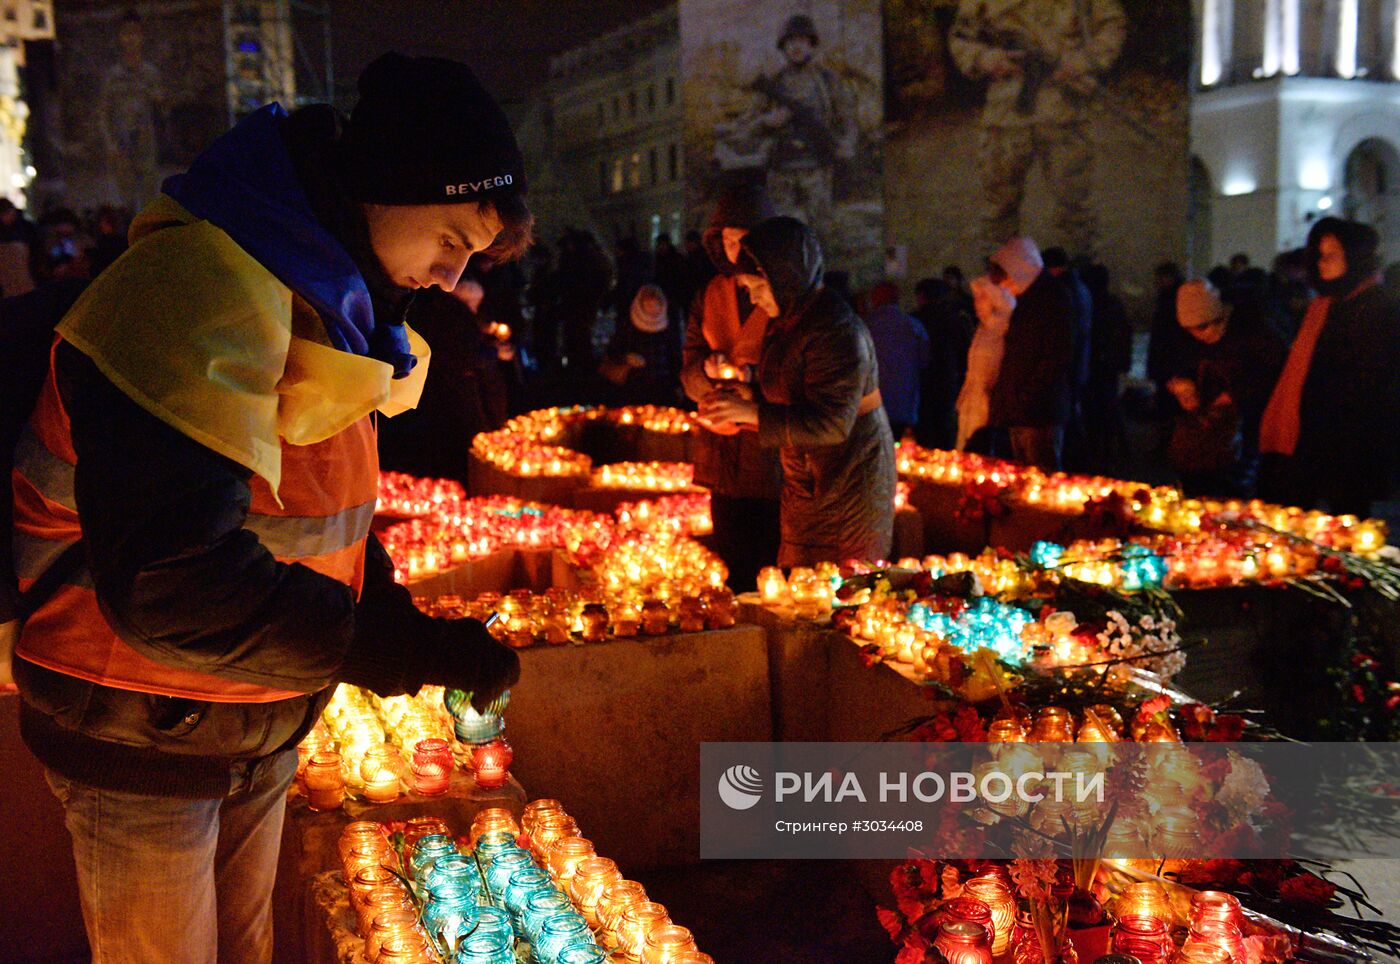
131, 99
1042, 61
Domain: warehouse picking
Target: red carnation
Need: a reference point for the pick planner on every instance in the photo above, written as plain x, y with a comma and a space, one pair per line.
1220, 872
968, 725
1307, 889
1228, 728
1358, 693
1392, 703
1196, 718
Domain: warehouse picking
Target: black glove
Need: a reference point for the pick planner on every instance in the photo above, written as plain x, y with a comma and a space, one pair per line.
467, 657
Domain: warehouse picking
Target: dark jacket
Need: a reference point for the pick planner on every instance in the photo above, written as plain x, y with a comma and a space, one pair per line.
1037, 370
736, 466
818, 365
1350, 407
654, 383
1244, 363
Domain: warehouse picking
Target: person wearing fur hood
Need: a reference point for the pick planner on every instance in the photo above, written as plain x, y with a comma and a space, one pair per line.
818, 403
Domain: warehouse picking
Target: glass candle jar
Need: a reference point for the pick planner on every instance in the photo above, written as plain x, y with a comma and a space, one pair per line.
1143, 937
502, 866
479, 949
772, 587
1215, 905
582, 954
540, 907
993, 892
392, 922
522, 884
558, 933
1197, 952
359, 832
368, 853
405, 949
656, 618
564, 856
962, 942
489, 820
369, 879
491, 764
325, 785
432, 767
425, 851
595, 623
968, 909
692, 614
450, 911
1218, 933
721, 608
1145, 899
534, 809
380, 771
548, 828
416, 828
665, 943
617, 897
634, 926
493, 843
381, 901
454, 868
586, 889
494, 923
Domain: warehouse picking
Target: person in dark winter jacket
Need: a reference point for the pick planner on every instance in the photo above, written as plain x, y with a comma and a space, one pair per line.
1222, 393
1168, 347
1110, 358
723, 341
1034, 388
642, 360
213, 453
902, 351
819, 404
1329, 432
1057, 263
948, 321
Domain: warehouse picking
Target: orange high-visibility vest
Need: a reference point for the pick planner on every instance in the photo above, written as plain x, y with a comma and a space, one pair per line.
328, 495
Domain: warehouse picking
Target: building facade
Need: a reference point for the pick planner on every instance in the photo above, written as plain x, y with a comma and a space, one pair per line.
1296, 115
615, 114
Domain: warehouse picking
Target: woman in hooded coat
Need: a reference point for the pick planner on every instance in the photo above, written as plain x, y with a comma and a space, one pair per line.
1329, 431
819, 404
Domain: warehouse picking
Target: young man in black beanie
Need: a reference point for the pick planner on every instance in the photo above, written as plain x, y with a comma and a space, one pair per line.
206, 435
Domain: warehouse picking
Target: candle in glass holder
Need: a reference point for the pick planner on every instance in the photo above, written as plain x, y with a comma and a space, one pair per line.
534, 810
549, 827
1218, 933
405, 949
416, 828
1216, 905
692, 614
772, 587
380, 772
626, 618
564, 856
962, 942
368, 879
595, 623
325, 785
357, 832
382, 900
617, 896
491, 764
999, 899
634, 926
1143, 937
490, 820
591, 876
395, 922
1197, 952
1145, 899
666, 942
720, 608
656, 618
432, 767
968, 909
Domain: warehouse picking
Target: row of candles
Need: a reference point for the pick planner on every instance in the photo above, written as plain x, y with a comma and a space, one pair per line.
537, 882
984, 922
531, 445
1161, 508
558, 616
645, 476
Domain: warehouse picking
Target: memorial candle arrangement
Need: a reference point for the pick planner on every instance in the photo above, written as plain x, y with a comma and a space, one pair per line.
408, 495
538, 889
645, 476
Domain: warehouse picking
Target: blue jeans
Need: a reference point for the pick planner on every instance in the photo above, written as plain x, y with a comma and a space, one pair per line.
174, 881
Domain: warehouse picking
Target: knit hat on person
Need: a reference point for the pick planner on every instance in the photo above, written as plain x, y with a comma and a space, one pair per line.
1020, 259
743, 204
425, 131
649, 310
1198, 304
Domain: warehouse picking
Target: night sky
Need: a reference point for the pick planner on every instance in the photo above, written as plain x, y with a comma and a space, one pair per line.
507, 42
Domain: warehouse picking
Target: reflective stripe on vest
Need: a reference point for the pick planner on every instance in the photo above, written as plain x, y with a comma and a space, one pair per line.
328, 497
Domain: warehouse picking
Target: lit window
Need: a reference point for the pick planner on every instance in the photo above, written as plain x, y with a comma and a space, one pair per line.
617, 175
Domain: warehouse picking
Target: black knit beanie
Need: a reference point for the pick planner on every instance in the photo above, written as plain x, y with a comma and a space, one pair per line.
426, 132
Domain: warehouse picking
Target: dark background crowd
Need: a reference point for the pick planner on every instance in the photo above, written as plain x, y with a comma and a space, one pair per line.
1179, 397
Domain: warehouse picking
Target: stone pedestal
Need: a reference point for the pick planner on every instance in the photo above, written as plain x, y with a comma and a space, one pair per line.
613, 729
